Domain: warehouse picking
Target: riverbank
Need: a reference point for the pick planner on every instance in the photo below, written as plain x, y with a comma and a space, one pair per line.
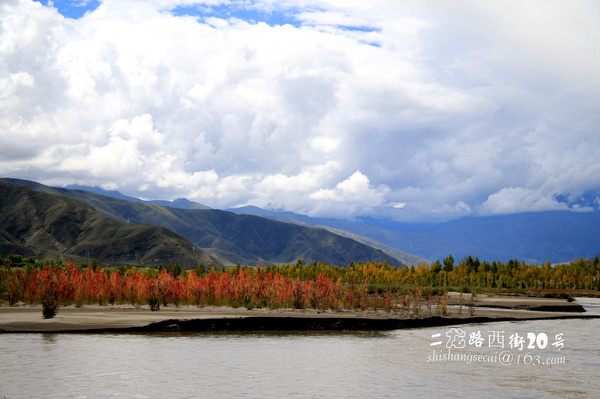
123, 318
515, 302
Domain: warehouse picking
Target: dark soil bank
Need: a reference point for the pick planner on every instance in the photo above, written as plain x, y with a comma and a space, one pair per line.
312, 324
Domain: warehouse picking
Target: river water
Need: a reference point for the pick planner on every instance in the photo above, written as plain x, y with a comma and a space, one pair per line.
557, 359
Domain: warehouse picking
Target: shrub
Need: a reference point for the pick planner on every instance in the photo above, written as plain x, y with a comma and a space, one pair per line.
50, 296
50, 302
154, 303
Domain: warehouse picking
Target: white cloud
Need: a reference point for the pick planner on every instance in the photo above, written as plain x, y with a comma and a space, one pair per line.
355, 193
451, 110
518, 199
448, 211
280, 191
398, 205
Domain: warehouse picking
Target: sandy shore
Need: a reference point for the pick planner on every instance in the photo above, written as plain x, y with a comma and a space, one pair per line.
515, 302
94, 318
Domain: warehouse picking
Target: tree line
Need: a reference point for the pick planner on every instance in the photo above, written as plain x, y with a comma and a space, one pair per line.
318, 285
579, 274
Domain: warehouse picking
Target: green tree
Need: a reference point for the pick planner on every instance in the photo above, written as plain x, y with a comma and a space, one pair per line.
448, 263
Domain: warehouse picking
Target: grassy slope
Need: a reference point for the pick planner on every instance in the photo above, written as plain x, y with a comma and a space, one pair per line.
56, 227
234, 238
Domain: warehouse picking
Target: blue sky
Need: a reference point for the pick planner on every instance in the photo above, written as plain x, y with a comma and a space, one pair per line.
73, 9
244, 10
241, 10
246, 13
412, 111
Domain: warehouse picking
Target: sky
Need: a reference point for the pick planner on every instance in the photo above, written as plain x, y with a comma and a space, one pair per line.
404, 110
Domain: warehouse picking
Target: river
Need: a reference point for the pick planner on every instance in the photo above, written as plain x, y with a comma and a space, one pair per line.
553, 359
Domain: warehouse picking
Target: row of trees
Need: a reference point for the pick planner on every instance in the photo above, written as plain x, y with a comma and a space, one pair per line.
317, 285
54, 285
469, 272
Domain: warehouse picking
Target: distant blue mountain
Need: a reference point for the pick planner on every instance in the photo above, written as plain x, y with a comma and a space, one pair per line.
556, 236
181, 203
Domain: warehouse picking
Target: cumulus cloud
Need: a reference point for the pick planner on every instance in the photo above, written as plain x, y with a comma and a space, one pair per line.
354, 193
517, 199
414, 111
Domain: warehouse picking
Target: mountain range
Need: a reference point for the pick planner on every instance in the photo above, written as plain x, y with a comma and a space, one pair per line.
182, 203
249, 235
535, 237
56, 227
226, 236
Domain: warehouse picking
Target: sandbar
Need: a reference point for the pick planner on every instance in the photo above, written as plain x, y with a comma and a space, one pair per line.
125, 318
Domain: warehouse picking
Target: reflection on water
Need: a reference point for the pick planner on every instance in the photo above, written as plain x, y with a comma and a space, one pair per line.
316, 365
